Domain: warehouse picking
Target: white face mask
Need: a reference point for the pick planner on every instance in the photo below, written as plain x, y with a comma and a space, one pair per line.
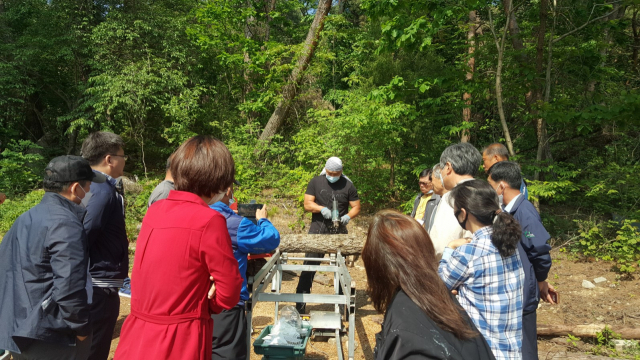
217, 198
500, 197
87, 195
333, 179
231, 199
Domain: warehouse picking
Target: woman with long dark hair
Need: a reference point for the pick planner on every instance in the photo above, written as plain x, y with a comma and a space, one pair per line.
486, 270
422, 319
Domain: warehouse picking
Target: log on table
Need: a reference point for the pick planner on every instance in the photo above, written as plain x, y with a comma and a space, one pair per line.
585, 330
543, 355
348, 244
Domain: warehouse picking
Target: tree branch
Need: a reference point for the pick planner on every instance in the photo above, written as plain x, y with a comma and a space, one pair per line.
587, 23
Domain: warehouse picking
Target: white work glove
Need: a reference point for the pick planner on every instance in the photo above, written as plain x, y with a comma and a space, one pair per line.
326, 213
345, 219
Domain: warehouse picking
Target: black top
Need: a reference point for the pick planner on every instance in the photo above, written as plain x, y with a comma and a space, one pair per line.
324, 191
105, 226
408, 333
43, 267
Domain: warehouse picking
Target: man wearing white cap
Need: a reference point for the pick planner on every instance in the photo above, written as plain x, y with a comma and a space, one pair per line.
322, 190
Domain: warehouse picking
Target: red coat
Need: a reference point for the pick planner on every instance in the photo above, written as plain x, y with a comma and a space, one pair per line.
181, 243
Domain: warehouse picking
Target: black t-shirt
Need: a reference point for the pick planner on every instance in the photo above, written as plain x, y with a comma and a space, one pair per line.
324, 191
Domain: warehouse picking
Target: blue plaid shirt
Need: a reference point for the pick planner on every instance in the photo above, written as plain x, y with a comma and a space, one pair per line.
490, 290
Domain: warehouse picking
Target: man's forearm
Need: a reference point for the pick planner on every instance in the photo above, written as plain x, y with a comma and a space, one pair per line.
313, 207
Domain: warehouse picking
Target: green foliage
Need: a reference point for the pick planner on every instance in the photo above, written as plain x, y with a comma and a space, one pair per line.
612, 241
13, 207
385, 91
136, 206
21, 168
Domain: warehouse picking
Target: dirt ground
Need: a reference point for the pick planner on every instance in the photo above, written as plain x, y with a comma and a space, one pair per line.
615, 302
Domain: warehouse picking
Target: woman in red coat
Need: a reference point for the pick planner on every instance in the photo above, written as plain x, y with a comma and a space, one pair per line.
181, 245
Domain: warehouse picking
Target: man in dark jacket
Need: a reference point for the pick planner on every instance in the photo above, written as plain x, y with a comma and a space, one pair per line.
505, 178
44, 290
426, 201
108, 244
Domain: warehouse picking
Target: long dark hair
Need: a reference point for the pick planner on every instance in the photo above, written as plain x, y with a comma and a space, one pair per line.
479, 199
398, 255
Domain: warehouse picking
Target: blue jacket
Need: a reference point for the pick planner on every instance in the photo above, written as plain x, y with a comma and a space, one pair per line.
247, 238
534, 251
104, 223
43, 267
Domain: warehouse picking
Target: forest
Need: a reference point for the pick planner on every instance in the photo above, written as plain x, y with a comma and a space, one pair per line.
385, 85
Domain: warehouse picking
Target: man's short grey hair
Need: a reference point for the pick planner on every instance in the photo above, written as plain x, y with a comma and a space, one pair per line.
436, 170
496, 149
464, 158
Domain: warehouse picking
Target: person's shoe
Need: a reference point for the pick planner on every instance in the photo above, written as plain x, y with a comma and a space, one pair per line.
125, 290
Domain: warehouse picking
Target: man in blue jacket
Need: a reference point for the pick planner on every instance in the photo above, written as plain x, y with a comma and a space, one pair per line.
230, 326
505, 178
44, 292
495, 153
108, 243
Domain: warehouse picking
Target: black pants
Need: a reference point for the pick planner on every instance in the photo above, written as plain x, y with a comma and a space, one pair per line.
42, 350
529, 336
230, 334
306, 280
105, 309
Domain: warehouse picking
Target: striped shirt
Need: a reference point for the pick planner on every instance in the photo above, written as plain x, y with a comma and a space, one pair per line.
490, 289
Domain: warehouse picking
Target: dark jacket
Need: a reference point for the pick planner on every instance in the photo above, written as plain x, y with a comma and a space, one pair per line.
247, 238
408, 333
43, 267
534, 251
104, 223
428, 211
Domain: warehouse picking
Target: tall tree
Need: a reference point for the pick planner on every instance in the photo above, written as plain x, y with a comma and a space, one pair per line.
291, 88
474, 21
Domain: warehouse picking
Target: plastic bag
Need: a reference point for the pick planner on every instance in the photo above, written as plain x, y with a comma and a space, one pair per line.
287, 330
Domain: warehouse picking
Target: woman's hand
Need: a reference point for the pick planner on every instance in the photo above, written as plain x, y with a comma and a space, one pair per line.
212, 291
457, 243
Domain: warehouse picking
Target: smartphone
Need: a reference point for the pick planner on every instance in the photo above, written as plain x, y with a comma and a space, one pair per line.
555, 296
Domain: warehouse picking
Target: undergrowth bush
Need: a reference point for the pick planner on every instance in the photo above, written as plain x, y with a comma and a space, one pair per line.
13, 207
611, 241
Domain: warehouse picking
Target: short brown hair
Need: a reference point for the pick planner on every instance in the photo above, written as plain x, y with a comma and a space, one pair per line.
399, 254
100, 144
202, 165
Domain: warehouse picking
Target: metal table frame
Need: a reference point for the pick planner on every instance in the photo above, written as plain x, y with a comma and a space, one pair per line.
270, 277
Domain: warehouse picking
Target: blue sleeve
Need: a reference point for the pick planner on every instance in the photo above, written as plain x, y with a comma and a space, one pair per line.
97, 213
534, 243
454, 268
257, 239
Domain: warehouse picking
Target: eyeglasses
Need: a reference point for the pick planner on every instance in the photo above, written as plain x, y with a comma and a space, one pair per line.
125, 157
422, 183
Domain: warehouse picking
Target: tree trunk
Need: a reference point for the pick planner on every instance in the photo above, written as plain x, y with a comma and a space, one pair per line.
514, 29
471, 63
348, 244
636, 39
247, 86
540, 123
291, 88
271, 5
500, 45
588, 331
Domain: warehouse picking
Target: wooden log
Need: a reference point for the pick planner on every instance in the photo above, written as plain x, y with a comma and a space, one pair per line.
348, 244
562, 355
585, 331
